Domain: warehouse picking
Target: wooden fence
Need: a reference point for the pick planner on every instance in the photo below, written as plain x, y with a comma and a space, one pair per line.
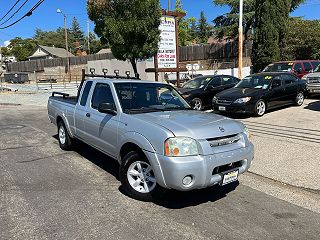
217, 51
189, 53
39, 65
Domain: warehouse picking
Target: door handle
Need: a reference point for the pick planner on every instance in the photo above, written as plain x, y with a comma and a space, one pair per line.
88, 115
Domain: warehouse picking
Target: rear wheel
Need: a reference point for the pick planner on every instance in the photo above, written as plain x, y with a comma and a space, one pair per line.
65, 141
299, 99
138, 178
260, 108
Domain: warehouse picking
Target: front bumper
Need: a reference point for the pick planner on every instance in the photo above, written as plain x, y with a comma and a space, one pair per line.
313, 88
206, 171
234, 108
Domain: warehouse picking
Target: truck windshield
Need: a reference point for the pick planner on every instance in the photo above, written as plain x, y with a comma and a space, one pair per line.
149, 97
279, 67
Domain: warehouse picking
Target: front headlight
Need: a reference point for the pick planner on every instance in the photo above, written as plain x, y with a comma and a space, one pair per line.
247, 132
243, 100
304, 78
215, 100
180, 147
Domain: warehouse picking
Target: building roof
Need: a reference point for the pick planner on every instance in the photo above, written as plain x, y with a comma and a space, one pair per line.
104, 50
53, 51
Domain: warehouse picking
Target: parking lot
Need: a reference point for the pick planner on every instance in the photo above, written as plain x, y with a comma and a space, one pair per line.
50, 194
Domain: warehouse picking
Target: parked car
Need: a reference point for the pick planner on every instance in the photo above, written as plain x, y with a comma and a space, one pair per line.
299, 68
202, 89
313, 81
158, 139
258, 93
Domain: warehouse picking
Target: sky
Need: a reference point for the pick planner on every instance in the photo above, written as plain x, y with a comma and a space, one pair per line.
46, 18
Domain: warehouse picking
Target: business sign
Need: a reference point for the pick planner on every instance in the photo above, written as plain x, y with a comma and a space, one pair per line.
167, 53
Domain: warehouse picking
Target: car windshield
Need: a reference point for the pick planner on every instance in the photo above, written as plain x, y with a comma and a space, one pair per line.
149, 97
197, 82
317, 69
279, 67
255, 82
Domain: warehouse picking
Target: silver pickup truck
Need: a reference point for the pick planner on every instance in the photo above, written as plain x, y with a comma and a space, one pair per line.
158, 139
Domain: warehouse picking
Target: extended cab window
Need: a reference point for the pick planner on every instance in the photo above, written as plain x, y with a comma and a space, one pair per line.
85, 93
102, 94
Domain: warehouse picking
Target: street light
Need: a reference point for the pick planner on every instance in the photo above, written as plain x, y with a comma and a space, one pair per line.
240, 39
66, 38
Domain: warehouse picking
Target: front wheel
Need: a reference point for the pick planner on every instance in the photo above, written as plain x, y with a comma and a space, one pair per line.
299, 99
260, 108
138, 178
197, 104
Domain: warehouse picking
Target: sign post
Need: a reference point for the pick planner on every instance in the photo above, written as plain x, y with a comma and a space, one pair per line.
167, 58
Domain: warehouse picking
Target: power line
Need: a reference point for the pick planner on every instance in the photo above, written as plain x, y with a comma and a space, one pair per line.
10, 10
25, 2
28, 14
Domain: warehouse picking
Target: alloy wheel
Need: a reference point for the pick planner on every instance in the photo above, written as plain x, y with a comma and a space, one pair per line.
141, 177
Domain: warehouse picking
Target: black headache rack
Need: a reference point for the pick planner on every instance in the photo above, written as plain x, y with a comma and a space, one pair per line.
104, 75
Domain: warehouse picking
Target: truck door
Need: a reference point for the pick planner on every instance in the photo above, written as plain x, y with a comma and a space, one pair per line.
81, 110
101, 128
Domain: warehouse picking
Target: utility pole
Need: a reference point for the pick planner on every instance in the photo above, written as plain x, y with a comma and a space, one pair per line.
169, 4
240, 40
88, 29
66, 39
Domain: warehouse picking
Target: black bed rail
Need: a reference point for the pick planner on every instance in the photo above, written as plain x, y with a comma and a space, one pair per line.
64, 95
104, 75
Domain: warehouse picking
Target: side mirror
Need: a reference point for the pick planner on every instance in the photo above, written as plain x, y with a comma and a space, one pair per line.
108, 108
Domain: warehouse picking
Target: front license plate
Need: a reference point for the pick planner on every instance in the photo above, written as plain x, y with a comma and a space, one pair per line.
230, 177
222, 108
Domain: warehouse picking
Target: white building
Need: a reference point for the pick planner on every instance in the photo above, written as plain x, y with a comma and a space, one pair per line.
44, 52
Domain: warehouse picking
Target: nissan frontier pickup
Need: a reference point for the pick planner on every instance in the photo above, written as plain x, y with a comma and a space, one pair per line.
158, 139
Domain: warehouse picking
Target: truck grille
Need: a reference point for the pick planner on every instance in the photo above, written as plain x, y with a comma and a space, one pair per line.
224, 101
226, 140
314, 80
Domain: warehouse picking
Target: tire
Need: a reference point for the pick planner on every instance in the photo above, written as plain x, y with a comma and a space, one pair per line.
198, 105
260, 108
299, 99
65, 141
135, 176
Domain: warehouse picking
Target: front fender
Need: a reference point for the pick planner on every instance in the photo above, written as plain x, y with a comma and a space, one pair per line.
136, 138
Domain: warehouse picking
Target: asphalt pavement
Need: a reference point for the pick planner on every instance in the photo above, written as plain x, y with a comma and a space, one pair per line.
46, 193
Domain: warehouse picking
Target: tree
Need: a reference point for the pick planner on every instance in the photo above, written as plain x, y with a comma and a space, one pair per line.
131, 27
303, 39
227, 25
204, 29
21, 48
77, 33
266, 38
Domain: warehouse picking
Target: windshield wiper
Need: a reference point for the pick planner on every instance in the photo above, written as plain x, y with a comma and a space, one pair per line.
144, 110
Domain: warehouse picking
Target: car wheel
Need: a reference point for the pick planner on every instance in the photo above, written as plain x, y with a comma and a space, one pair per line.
299, 99
65, 141
197, 104
260, 108
138, 179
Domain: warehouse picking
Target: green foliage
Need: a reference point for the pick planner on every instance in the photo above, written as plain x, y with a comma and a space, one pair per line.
21, 48
303, 39
77, 33
227, 25
131, 27
53, 38
190, 30
204, 29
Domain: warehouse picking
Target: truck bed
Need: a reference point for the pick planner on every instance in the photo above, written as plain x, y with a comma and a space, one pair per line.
64, 97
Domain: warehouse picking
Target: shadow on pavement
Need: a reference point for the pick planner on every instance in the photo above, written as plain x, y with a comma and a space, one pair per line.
171, 199
177, 200
314, 106
101, 160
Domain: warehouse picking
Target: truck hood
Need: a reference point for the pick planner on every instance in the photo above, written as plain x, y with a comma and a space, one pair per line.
315, 74
194, 124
